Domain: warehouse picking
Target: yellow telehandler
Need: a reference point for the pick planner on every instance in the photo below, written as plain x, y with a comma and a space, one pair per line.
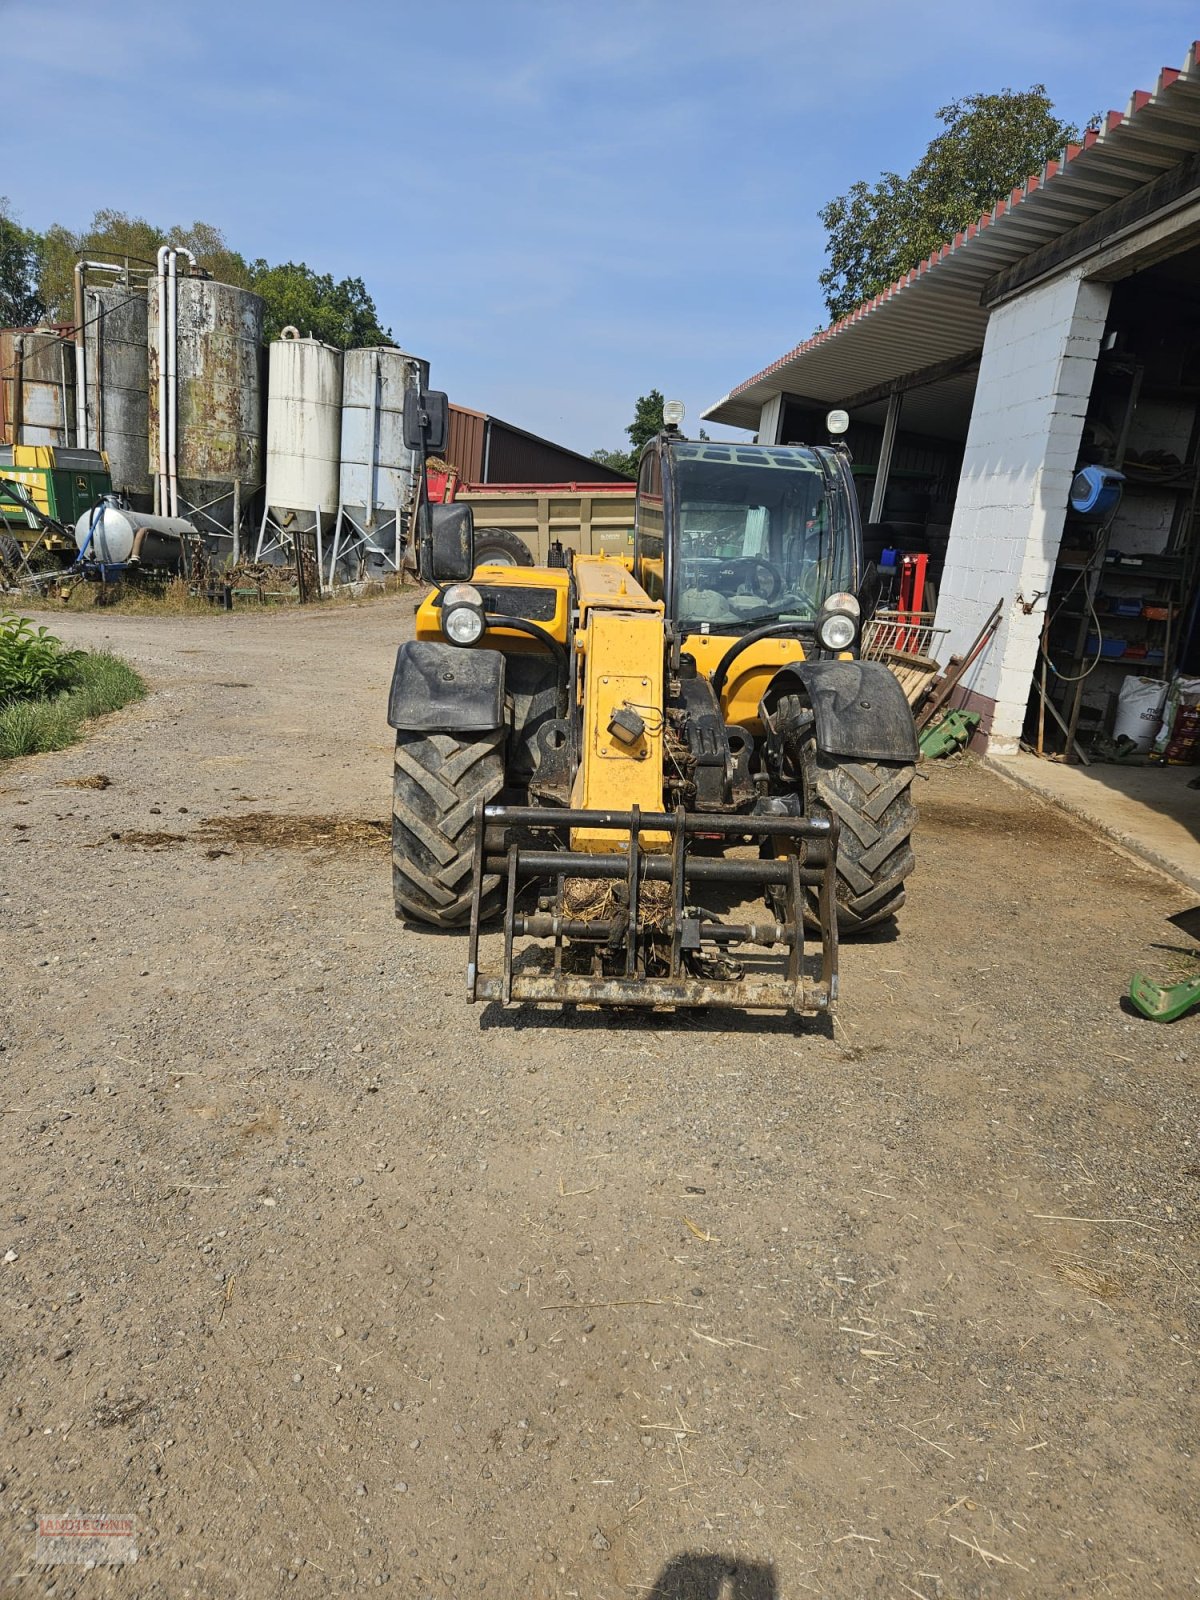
659, 771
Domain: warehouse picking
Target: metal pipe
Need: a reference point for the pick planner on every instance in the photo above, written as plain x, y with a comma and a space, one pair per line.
172, 392
660, 821
161, 503
18, 421
62, 376
546, 925
371, 428
99, 393
887, 445
655, 868
168, 350
81, 437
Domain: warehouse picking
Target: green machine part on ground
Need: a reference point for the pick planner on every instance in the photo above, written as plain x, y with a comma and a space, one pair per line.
62, 483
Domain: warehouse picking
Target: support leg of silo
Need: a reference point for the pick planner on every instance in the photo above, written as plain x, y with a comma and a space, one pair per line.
237, 520
320, 557
262, 533
396, 531
337, 540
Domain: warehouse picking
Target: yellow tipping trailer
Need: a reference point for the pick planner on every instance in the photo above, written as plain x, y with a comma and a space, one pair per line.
588, 518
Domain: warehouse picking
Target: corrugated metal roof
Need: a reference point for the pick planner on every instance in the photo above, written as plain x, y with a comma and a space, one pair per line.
464, 447
933, 313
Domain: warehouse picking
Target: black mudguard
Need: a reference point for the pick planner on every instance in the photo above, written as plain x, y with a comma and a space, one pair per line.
442, 688
860, 709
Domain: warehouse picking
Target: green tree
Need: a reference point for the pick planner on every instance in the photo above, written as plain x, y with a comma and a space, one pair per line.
622, 461
342, 313
116, 237
20, 267
990, 144
647, 421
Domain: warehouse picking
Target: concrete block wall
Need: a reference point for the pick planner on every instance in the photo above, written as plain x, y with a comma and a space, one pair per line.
1035, 379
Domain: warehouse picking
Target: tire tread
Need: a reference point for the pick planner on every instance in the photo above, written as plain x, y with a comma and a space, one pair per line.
438, 779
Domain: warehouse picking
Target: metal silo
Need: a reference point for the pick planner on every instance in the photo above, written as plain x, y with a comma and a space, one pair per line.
378, 474
37, 391
304, 421
116, 380
206, 444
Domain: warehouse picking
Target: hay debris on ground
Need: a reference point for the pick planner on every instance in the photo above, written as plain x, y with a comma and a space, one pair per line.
95, 780
1080, 1276
282, 830
268, 830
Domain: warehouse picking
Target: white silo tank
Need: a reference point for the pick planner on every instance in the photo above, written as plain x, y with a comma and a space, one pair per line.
378, 472
304, 424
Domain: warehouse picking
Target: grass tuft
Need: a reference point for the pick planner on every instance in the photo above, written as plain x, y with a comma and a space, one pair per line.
103, 683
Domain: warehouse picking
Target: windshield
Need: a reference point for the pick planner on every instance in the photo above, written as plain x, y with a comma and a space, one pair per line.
763, 535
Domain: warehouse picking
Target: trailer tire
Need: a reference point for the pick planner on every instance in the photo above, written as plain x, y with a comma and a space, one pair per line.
872, 801
437, 781
501, 547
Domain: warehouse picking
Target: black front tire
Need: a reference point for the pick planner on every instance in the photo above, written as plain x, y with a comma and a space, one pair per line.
872, 801
438, 780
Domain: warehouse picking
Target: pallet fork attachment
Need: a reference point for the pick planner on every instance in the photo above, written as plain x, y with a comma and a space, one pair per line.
677, 954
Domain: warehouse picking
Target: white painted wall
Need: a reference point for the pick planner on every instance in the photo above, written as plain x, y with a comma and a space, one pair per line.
1035, 378
771, 420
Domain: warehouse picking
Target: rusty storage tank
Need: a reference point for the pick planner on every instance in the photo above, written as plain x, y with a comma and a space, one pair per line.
378, 473
215, 348
116, 377
37, 391
304, 425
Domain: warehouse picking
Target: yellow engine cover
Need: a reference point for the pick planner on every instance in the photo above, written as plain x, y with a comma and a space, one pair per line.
623, 671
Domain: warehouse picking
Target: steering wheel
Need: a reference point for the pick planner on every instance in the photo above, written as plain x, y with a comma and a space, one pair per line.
746, 569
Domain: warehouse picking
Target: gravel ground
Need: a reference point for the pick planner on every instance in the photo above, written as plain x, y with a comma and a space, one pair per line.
335, 1282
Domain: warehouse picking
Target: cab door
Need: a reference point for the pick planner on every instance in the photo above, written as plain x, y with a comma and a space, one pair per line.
648, 554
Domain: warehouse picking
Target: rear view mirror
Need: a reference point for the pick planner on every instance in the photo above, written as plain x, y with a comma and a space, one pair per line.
447, 543
426, 421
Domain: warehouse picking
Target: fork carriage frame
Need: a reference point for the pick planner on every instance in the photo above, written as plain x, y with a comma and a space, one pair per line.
809, 861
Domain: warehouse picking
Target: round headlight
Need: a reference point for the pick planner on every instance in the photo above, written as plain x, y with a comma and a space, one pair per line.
836, 630
462, 594
462, 624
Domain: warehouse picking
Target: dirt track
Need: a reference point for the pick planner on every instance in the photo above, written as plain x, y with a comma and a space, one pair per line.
336, 1282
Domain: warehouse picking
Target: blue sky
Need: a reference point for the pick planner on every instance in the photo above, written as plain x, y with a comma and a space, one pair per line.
559, 205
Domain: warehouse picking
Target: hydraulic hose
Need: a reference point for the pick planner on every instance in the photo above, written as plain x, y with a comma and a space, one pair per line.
520, 625
773, 630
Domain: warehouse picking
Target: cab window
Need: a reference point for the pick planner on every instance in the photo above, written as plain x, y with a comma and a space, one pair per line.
648, 540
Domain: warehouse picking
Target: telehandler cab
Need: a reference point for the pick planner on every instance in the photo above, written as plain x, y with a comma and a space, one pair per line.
616, 755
